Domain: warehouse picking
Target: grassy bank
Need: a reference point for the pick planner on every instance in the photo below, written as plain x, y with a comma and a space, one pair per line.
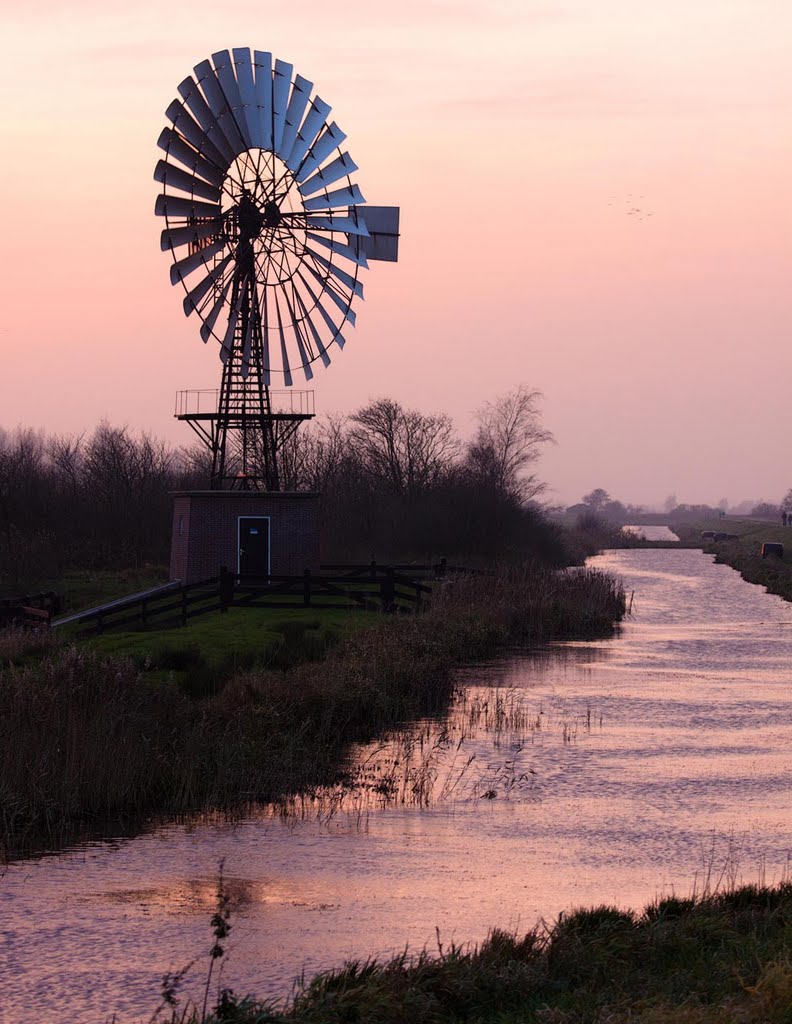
84, 588
206, 653
724, 958
743, 553
90, 742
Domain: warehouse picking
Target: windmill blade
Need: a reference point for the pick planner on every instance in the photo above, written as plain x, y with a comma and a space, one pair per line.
340, 167
224, 72
192, 298
346, 225
306, 364
330, 139
207, 327
200, 109
341, 275
305, 357
228, 338
349, 196
247, 92
177, 148
175, 177
187, 126
176, 206
298, 101
323, 354
219, 106
335, 332
350, 252
263, 85
287, 377
190, 263
307, 133
344, 305
281, 81
172, 238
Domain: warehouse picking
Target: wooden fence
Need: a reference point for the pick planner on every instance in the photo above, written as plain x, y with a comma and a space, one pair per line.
370, 588
31, 611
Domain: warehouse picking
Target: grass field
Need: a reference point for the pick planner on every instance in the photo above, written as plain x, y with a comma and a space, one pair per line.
744, 553
203, 654
85, 588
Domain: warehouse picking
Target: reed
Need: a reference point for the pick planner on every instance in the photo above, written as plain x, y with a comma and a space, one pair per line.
529, 604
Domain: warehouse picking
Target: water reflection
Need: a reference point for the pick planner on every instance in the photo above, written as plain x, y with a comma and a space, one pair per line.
593, 772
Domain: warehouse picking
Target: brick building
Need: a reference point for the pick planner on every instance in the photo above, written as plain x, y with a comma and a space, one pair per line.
253, 533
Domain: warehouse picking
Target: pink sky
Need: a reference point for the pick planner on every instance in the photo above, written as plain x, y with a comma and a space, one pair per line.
515, 136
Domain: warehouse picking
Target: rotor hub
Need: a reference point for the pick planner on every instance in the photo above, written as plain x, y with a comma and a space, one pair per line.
250, 218
272, 214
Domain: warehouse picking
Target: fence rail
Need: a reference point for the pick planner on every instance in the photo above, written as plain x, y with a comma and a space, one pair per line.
31, 611
371, 587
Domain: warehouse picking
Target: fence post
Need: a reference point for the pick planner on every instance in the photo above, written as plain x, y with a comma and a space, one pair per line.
144, 613
184, 606
226, 589
388, 590
307, 587
440, 570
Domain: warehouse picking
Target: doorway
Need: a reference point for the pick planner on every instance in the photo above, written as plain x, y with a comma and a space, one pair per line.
254, 546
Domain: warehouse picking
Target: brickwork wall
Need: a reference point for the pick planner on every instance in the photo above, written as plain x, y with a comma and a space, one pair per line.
209, 531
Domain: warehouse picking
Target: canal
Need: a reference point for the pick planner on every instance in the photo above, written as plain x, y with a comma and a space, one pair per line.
611, 772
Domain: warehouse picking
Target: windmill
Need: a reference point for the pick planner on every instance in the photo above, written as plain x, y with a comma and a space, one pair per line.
269, 235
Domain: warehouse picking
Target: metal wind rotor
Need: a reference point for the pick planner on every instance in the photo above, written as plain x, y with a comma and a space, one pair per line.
266, 227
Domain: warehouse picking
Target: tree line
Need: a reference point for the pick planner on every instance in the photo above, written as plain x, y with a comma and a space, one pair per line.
397, 484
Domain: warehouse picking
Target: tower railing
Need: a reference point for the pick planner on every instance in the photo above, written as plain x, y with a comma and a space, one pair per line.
205, 401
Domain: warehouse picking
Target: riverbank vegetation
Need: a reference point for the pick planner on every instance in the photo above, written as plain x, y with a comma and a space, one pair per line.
90, 742
720, 958
743, 550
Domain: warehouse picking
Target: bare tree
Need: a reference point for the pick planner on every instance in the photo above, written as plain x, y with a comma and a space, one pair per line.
310, 458
406, 450
66, 454
509, 439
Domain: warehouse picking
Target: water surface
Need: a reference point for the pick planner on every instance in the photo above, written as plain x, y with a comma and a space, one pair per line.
605, 772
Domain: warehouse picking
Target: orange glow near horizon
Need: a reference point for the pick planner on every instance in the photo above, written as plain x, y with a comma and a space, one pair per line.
516, 137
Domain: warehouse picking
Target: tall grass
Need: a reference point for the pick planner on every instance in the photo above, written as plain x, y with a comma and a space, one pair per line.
88, 744
721, 958
529, 604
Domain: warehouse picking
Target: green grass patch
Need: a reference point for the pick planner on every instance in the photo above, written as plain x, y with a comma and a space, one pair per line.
85, 588
208, 650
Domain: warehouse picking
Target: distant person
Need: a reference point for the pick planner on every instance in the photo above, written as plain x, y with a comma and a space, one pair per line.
784, 518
